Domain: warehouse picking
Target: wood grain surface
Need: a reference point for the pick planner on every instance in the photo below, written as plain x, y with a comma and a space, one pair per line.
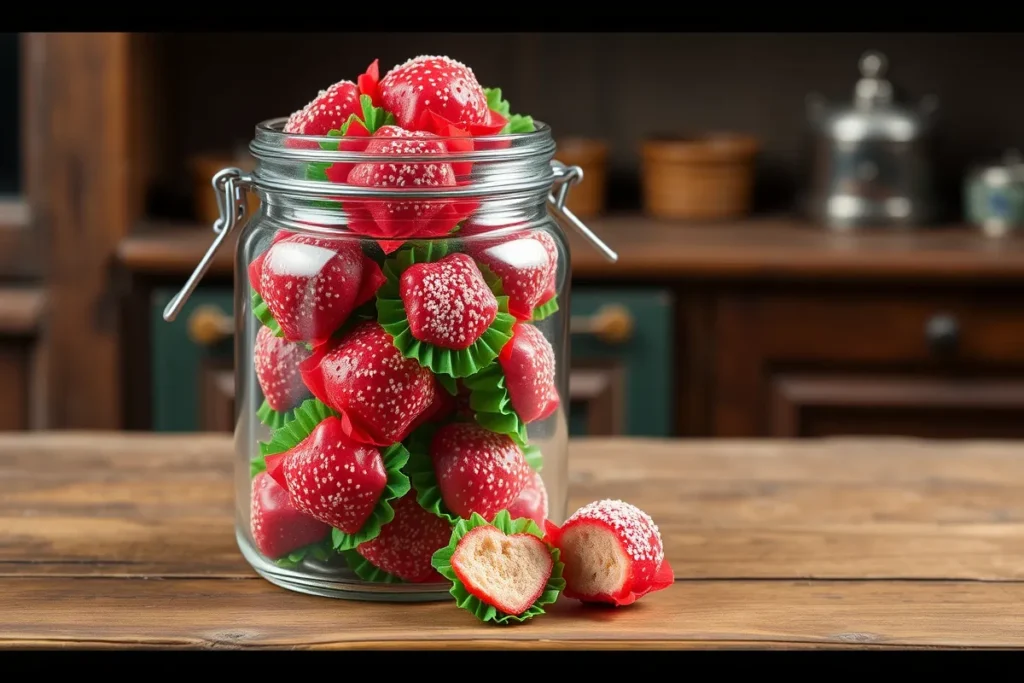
127, 540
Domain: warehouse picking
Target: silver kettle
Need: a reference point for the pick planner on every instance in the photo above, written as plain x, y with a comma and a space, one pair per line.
872, 159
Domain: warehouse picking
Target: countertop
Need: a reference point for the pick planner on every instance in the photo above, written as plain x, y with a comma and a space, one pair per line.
126, 540
652, 249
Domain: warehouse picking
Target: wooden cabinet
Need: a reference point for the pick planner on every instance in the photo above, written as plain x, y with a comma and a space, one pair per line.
929, 363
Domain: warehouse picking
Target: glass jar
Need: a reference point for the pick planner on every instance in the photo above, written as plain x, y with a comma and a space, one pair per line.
401, 355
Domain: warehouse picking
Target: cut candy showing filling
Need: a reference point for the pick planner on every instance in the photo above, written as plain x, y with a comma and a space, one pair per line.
509, 572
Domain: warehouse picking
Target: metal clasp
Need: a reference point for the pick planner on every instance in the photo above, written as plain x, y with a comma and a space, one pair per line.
229, 184
565, 176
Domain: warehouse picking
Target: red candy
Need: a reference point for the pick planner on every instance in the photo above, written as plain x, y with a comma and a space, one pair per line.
330, 477
448, 303
277, 370
532, 501
528, 362
381, 395
405, 544
278, 527
526, 262
477, 470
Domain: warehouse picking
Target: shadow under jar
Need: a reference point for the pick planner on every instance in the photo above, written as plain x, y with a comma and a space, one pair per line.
401, 350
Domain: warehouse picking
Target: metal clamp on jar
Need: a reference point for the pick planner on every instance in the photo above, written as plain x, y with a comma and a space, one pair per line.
871, 160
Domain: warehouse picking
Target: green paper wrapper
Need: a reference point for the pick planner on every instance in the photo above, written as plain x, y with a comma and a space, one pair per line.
365, 569
545, 309
320, 551
395, 457
492, 405
442, 562
273, 418
533, 457
451, 362
262, 313
421, 473
308, 415
257, 465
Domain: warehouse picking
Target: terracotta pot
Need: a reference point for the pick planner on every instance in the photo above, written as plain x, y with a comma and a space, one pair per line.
586, 198
708, 176
204, 167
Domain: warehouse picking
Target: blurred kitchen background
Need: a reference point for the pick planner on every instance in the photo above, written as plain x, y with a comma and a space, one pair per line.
819, 234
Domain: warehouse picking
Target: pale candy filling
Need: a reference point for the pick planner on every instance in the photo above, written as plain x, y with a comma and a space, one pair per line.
595, 563
511, 571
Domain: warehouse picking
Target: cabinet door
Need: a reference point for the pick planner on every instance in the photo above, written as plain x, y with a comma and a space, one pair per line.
852, 363
192, 363
621, 362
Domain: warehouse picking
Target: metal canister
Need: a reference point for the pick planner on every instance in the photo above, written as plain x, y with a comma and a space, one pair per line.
994, 195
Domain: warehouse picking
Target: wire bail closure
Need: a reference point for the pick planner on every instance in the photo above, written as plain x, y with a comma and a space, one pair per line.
229, 184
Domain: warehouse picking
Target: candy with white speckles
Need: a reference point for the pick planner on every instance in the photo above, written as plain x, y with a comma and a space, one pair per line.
613, 553
406, 544
528, 362
277, 370
448, 302
525, 260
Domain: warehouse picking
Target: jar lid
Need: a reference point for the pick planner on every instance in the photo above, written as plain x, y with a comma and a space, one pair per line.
1009, 170
873, 113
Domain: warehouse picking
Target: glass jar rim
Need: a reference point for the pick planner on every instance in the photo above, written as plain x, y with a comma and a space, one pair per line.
271, 142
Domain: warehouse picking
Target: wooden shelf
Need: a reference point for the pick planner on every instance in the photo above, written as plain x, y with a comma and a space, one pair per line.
756, 248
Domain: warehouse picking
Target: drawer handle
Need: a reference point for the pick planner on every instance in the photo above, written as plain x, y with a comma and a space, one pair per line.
942, 333
612, 324
209, 325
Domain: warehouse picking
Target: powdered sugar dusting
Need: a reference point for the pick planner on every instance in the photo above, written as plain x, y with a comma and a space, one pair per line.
293, 259
638, 533
277, 369
477, 470
328, 110
434, 83
448, 302
407, 543
334, 479
368, 378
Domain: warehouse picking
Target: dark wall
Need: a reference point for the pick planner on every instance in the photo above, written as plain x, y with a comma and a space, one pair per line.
10, 84
623, 87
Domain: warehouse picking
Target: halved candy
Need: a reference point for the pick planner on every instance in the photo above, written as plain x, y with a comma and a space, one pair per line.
279, 529
392, 222
532, 502
517, 389
381, 395
526, 262
613, 553
460, 468
403, 549
276, 361
310, 284
441, 310
500, 571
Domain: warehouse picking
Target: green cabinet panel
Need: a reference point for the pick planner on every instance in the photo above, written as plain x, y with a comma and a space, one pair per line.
177, 362
645, 360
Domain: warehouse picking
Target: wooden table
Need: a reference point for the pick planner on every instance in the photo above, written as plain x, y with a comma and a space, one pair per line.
128, 541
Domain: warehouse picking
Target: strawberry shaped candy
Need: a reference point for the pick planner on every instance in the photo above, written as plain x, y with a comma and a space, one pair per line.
332, 107
394, 221
430, 92
528, 363
461, 468
442, 312
277, 371
311, 284
525, 261
381, 395
500, 571
278, 527
532, 502
612, 552
334, 479
404, 547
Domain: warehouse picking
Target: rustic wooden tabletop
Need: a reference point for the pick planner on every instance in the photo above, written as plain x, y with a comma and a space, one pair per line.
120, 541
